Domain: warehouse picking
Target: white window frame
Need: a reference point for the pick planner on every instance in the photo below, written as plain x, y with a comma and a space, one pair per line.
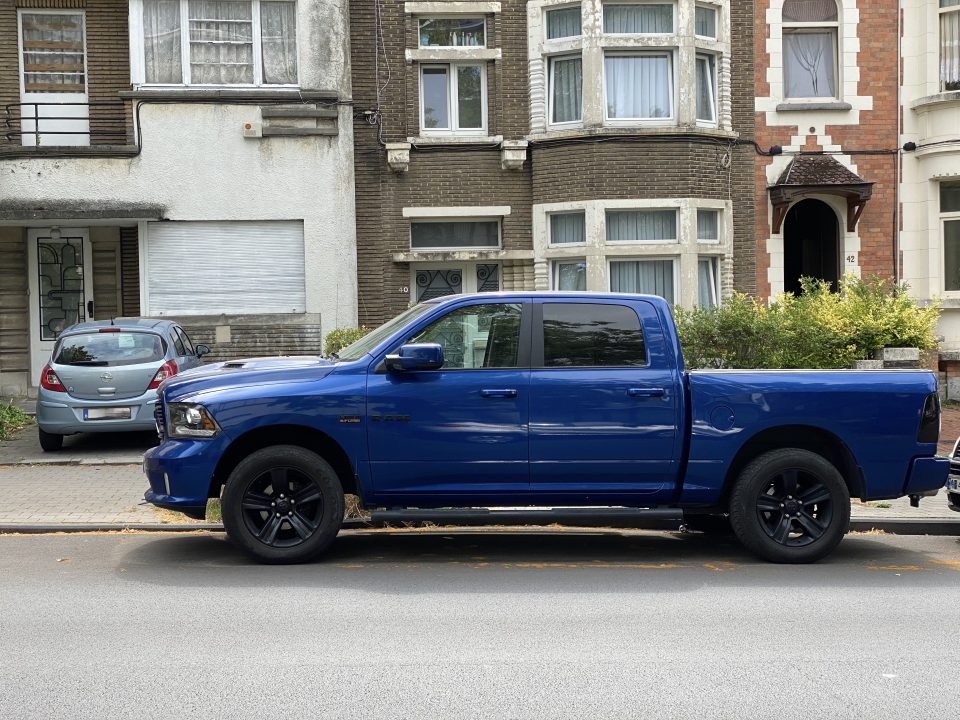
453, 110
789, 27
672, 241
137, 62
941, 11
549, 9
944, 218
671, 55
674, 264
715, 261
672, 3
555, 271
712, 62
448, 16
462, 248
550, 59
716, 21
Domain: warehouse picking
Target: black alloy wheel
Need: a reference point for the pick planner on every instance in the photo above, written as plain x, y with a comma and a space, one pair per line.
283, 504
790, 506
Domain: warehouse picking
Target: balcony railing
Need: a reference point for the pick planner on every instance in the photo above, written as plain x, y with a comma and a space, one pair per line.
59, 124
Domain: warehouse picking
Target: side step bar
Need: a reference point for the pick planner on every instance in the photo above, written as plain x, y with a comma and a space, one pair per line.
648, 518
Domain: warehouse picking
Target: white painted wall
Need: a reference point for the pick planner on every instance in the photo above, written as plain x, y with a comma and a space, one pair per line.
928, 117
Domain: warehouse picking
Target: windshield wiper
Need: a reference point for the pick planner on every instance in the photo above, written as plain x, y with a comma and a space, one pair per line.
96, 363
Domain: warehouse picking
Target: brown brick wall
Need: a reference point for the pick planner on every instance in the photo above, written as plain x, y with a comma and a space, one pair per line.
877, 130
108, 61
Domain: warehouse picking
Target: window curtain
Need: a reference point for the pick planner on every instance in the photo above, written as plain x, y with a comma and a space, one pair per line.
567, 228
708, 222
638, 86
572, 276
950, 46
707, 282
642, 225
650, 277
161, 41
706, 93
951, 255
567, 89
809, 64
705, 22
638, 18
563, 23
278, 28
221, 42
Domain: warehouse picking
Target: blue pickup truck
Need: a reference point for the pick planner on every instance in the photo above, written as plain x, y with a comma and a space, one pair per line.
547, 400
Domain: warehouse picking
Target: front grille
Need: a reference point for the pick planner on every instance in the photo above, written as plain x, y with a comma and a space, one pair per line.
158, 417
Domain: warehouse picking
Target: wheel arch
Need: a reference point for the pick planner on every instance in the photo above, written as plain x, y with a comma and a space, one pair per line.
804, 437
303, 436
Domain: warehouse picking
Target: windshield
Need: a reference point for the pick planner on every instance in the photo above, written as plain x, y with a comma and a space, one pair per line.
110, 349
368, 342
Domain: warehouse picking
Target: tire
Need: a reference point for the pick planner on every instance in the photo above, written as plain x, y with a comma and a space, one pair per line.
277, 480
49, 441
790, 506
953, 499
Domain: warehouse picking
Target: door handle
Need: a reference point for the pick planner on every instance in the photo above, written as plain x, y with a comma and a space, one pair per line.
89, 309
646, 392
498, 393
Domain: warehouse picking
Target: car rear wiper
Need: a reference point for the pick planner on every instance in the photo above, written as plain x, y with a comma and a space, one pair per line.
96, 363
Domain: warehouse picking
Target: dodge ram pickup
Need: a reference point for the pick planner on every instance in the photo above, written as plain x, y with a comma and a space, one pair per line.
543, 400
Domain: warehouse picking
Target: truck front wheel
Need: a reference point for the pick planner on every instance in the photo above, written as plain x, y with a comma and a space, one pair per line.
790, 506
283, 504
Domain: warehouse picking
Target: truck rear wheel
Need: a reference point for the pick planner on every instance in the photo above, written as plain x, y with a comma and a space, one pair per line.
283, 504
790, 506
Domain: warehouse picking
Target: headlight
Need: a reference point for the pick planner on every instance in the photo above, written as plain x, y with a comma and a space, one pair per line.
190, 420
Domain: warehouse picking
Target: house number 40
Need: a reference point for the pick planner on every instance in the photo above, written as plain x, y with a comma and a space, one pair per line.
405, 289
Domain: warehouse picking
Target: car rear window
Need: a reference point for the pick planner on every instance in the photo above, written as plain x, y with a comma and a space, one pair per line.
110, 349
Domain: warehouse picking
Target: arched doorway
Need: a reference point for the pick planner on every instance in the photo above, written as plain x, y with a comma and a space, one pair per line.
810, 244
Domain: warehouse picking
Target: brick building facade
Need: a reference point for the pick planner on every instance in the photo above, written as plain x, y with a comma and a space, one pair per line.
827, 94
551, 144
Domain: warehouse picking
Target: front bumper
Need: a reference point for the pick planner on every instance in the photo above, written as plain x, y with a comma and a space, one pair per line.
180, 473
60, 414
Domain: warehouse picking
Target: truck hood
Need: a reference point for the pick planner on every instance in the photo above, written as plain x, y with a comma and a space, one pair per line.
243, 373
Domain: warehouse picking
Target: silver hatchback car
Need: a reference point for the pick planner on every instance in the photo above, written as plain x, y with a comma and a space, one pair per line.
103, 375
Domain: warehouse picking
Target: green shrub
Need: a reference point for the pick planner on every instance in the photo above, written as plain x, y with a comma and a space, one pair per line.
12, 418
817, 329
336, 340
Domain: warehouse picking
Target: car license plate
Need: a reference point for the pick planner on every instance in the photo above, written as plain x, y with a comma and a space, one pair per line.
953, 483
106, 413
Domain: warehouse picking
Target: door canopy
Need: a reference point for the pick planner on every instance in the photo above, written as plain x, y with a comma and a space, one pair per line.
822, 175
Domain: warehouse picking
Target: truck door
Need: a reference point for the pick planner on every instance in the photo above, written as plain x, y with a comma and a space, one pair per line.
458, 432
603, 403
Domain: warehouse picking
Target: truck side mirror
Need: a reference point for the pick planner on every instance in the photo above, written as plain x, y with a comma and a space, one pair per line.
415, 356
202, 350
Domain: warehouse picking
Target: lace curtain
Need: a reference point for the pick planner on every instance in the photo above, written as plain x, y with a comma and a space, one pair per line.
809, 64
567, 78
638, 86
650, 277
221, 42
950, 46
278, 29
161, 41
651, 225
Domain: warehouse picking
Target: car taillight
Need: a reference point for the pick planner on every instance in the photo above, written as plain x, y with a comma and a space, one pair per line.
929, 431
109, 329
50, 381
168, 369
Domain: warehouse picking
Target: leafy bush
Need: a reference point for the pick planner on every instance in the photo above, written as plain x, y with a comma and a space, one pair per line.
336, 340
817, 329
11, 418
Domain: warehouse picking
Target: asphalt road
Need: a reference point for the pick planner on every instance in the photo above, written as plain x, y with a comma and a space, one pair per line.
477, 625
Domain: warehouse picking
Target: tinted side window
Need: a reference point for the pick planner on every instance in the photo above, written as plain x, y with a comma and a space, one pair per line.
586, 335
177, 344
479, 336
188, 346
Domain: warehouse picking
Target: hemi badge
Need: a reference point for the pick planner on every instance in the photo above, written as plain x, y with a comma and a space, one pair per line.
352, 419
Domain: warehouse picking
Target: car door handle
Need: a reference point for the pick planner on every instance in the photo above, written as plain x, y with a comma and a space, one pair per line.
646, 392
499, 393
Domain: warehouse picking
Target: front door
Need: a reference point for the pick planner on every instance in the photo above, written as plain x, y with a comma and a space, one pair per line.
459, 433
60, 276
53, 78
604, 404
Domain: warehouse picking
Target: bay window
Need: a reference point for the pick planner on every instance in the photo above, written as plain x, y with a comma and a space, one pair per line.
810, 53
639, 86
219, 42
949, 45
566, 89
453, 99
950, 221
642, 226
706, 89
648, 277
638, 18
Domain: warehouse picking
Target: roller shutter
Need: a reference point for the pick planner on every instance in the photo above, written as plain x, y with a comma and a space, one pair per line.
209, 268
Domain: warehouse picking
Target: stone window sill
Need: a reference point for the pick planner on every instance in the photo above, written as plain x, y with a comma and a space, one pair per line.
633, 131
931, 101
455, 140
813, 106
252, 94
451, 54
470, 7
